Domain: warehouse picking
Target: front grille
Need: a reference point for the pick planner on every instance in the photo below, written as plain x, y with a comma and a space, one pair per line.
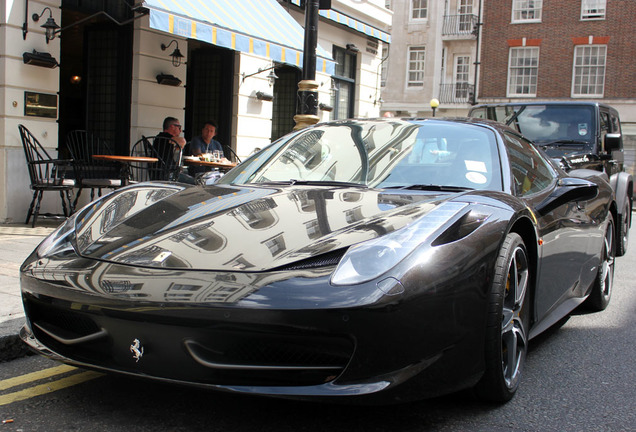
250, 354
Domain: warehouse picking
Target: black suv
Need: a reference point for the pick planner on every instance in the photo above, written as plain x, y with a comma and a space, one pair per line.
580, 135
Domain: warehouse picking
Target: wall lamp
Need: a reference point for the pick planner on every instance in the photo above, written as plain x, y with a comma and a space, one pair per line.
171, 80
52, 29
50, 26
352, 48
42, 59
264, 96
176, 54
271, 76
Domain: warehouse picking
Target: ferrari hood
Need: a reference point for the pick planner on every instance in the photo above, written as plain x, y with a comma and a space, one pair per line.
245, 228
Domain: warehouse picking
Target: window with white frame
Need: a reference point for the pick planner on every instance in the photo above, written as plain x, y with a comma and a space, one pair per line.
526, 10
593, 9
417, 56
523, 69
588, 77
419, 9
465, 11
462, 76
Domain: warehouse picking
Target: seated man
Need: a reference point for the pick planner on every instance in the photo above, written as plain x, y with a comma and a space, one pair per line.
172, 130
204, 144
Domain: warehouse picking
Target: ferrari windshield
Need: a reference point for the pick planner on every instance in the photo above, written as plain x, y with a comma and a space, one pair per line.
379, 153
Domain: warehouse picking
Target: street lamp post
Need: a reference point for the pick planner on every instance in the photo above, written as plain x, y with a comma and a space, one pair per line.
434, 104
307, 106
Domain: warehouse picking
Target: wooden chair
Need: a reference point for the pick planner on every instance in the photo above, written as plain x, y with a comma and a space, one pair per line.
47, 174
90, 173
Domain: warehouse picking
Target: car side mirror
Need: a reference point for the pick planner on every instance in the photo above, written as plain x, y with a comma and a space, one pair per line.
568, 189
613, 142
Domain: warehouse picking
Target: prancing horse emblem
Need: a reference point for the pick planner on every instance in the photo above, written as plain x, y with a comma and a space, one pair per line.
137, 350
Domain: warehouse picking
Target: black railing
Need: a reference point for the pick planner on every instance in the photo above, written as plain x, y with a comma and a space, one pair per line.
460, 25
458, 93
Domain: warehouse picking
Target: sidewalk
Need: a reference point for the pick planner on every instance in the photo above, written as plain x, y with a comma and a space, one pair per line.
17, 241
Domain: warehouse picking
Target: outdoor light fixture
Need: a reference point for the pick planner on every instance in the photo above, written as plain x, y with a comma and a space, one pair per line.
271, 76
171, 80
352, 48
50, 25
434, 104
52, 29
42, 59
264, 96
176, 54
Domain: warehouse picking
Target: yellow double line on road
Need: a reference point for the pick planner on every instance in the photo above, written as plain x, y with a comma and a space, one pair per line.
41, 389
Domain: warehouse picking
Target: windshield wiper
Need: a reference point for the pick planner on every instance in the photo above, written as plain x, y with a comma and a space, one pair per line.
431, 187
562, 142
315, 183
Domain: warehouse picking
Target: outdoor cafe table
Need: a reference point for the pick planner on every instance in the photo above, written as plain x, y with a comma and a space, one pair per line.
220, 165
125, 162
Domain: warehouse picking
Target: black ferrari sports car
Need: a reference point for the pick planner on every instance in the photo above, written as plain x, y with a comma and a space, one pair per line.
388, 258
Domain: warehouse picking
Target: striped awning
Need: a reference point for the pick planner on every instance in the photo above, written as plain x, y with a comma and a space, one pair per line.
353, 23
260, 27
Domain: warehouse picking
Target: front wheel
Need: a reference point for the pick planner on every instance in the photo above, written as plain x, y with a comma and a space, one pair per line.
507, 326
602, 291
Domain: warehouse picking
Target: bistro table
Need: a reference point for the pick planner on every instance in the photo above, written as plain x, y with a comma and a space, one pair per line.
125, 162
222, 166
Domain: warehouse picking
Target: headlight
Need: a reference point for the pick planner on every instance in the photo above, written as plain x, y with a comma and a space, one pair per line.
371, 259
59, 240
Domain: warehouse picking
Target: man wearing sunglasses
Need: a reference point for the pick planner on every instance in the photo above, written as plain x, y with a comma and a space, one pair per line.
172, 129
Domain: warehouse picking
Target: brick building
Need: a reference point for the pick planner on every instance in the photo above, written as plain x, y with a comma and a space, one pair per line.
561, 49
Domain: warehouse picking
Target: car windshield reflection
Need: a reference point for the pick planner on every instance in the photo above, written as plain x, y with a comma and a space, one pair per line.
417, 154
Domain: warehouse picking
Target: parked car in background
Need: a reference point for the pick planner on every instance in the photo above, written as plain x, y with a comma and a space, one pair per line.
579, 135
379, 259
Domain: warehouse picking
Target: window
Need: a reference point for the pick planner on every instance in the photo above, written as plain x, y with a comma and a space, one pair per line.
589, 70
593, 9
385, 64
526, 10
344, 81
417, 56
529, 174
462, 69
465, 15
419, 9
523, 68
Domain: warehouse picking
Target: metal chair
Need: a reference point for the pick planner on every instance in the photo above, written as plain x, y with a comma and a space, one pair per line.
90, 173
47, 174
166, 150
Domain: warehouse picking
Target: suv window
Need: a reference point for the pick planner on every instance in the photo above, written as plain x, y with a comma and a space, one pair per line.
530, 174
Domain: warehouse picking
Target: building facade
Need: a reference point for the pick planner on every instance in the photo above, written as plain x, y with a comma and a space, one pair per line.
118, 69
432, 55
562, 50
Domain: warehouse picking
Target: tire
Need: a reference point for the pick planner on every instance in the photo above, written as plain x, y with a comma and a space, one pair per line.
507, 324
602, 290
622, 234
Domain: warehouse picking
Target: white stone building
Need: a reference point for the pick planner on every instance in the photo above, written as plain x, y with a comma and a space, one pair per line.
108, 58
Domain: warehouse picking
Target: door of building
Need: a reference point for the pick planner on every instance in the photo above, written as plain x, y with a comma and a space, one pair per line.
209, 90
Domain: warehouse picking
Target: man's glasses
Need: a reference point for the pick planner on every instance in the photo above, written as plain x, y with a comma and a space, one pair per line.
177, 125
